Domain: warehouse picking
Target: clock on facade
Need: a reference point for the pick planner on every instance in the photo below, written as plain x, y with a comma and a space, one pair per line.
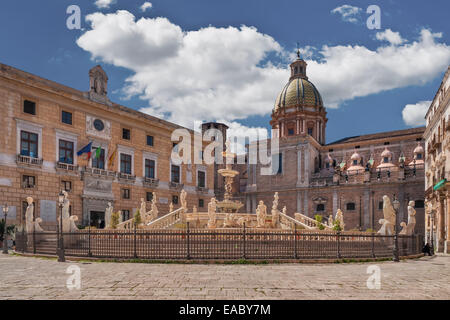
99, 125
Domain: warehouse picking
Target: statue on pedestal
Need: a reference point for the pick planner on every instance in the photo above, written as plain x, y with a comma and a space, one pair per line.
275, 212
330, 221
108, 215
29, 216
154, 211
68, 221
340, 216
388, 223
408, 229
261, 214
212, 206
171, 207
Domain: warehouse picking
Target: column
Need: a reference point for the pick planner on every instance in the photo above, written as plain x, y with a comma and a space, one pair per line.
366, 208
441, 224
335, 202
305, 203
297, 126
447, 240
299, 167
299, 201
303, 126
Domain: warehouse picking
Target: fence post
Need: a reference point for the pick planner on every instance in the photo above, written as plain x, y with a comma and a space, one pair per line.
373, 245
34, 240
295, 241
24, 240
244, 243
135, 252
188, 253
339, 245
89, 242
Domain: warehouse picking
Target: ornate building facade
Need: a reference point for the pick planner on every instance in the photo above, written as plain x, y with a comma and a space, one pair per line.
352, 174
42, 126
437, 167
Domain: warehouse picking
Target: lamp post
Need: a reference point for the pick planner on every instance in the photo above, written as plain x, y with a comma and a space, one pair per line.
396, 205
5, 231
431, 232
61, 239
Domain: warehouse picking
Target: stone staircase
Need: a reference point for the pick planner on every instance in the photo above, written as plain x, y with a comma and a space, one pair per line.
300, 222
167, 220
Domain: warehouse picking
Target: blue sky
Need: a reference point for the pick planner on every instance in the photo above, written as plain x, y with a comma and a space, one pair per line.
35, 39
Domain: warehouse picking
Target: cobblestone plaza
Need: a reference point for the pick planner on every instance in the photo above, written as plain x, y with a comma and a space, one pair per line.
37, 278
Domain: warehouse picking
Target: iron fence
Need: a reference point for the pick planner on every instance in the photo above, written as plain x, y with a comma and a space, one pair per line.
201, 244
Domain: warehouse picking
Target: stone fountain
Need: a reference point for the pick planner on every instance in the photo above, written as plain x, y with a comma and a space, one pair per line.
228, 205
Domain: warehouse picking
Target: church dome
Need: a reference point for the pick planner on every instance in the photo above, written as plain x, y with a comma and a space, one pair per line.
298, 91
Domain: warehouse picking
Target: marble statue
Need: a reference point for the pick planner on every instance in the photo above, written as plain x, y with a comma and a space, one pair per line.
108, 215
154, 211
68, 221
243, 220
29, 216
194, 210
171, 207
229, 221
330, 221
275, 212
408, 229
340, 216
212, 207
120, 217
37, 225
261, 213
143, 210
388, 223
183, 199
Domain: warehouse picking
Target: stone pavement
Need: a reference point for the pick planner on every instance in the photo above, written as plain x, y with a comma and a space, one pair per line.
38, 278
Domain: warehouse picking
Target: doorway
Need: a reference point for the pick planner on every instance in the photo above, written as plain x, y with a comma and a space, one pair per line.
97, 219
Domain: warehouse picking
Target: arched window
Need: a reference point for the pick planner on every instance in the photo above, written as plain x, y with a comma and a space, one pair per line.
320, 207
350, 206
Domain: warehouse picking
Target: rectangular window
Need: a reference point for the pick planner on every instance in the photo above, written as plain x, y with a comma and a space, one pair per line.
28, 181
290, 131
125, 215
175, 174
125, 163
280, 163
150, 141
66, 185
99, 162
201, 203
28, 144
201, 179
149, 196
175, 199
29, 107
66, 117
380, 205
125, 193
66, 151
310, 131
150, 168
126, 134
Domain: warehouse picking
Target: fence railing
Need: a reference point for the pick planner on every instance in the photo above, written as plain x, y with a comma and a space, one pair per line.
236, 243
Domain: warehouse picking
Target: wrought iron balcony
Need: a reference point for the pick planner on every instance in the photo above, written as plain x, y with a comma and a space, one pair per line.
28, 161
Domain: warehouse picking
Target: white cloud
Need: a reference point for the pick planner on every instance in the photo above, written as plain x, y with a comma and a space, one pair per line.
207, 74
240, 134
222, 73
145, 6
414, 114
104, 4
392, 37
348, 13
347, 72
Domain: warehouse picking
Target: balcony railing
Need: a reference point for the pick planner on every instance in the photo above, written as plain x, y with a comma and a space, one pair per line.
61, 166
150, 182
202, 189
29, 161
126, 177
99, 172
176, 185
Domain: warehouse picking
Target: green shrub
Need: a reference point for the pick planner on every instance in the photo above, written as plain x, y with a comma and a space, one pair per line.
114, 219
337, 225
137, 217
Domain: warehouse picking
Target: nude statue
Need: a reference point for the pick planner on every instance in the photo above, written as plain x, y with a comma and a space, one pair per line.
388, 223
261, 214
212, 206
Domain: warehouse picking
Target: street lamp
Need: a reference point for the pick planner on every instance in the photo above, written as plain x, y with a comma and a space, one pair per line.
396, 205
61, 239
5, 232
